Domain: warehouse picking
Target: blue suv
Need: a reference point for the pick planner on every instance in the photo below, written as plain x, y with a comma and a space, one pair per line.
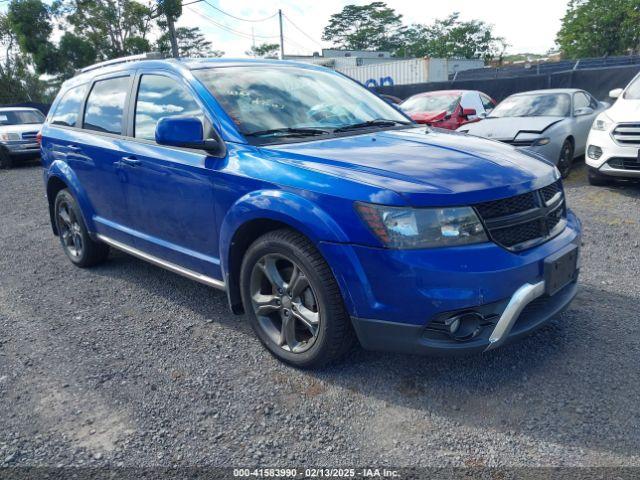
325, 214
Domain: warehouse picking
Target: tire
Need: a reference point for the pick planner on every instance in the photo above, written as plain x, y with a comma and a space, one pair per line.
303, 322
79, 247
565, 161
6, 161
597, 179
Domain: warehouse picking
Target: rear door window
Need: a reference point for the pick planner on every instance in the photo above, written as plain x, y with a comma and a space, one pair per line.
158, 97
68, 110
105, 105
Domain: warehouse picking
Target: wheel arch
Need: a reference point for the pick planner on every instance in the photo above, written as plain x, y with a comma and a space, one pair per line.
259, 213
59, 177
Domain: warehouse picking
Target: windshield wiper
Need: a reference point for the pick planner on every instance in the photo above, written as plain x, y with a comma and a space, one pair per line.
287, 132
379, 122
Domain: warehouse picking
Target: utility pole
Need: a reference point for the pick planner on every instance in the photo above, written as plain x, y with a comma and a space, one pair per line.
175, 53
281, 35
171, 9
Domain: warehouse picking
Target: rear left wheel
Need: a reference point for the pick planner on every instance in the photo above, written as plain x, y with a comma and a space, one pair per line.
293, 301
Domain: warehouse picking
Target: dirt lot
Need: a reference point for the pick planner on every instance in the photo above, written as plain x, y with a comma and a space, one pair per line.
127, 364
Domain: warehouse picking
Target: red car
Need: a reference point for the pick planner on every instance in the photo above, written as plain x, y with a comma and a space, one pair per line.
448, 109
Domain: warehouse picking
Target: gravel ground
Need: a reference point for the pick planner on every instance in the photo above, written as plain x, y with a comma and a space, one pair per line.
127, 364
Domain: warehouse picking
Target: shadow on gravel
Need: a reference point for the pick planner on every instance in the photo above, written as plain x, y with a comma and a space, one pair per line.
574, 382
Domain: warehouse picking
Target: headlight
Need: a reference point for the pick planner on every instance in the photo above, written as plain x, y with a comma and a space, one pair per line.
9, 136
602, 123
541, 142
406, 228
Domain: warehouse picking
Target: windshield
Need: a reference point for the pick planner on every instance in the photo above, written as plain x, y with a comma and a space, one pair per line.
20, 117
544, 105
431, 103
266, 99
633, 91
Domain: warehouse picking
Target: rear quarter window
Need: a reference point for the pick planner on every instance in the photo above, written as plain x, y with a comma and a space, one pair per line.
68, 109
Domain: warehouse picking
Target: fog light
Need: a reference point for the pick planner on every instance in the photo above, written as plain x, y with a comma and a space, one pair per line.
594, 152
465, 326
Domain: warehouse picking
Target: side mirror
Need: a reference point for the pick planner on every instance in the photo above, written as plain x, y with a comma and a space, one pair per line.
469, 112
616, 92
581, 112
185, 132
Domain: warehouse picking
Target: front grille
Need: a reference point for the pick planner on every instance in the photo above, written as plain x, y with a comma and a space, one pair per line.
29, 135
526, 220
627, 134
624, 163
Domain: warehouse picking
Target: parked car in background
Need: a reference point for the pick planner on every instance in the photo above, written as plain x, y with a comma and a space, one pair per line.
554, 123
448, 108
391, 99
613, 148
323, 212
19, 127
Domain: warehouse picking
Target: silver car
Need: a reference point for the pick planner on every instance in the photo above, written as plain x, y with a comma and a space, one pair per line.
19, 127
553, 123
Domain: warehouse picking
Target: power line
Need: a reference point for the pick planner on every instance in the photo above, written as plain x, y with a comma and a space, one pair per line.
302, 31
231, 30
238, 18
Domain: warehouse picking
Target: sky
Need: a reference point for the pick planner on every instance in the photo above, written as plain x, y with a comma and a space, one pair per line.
527, 26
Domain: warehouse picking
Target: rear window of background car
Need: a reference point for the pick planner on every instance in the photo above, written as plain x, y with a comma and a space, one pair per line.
105, 105
67, 111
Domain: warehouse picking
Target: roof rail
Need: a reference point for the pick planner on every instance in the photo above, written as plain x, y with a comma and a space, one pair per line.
116, 61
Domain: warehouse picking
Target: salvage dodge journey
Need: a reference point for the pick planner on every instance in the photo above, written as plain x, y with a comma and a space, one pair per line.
326, 214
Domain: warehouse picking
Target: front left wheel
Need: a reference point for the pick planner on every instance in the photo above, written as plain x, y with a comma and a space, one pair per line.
566, 158
293, 301
79, 247
5, 160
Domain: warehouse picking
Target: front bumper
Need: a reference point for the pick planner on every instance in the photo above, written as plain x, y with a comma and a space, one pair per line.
396, 297
613, 156
21, 148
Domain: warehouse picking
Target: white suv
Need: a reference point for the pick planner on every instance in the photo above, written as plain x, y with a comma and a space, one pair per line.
19, 127
613, 147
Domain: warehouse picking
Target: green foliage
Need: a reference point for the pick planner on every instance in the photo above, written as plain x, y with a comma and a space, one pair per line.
451, 38
170, 8
378, 27
364, 27
114, 28
191, 43
30, 21
18, 80
264, 50
595, 28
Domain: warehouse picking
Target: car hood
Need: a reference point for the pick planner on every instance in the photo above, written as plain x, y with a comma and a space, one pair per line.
427, 117
427, 167
507, 128
624, 111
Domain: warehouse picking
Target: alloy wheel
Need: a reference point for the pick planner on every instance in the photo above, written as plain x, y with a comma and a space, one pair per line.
285, 303
70, 230
564, 164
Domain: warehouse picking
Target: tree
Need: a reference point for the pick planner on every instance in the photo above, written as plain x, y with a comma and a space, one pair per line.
30, 22
18, 80
264, 50
114, 28
595, 28
191, 43
451, 38
364, 27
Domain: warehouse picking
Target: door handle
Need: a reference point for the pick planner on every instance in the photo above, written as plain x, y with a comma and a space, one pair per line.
74, 148
131, 161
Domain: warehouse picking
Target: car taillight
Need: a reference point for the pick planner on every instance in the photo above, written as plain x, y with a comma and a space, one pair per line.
39, 138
